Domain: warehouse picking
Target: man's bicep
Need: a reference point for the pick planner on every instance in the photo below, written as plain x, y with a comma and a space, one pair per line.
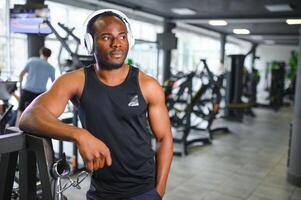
158, 114
159, 121
56, 98
51, 103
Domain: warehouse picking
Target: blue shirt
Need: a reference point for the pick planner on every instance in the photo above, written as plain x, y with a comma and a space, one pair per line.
38, 73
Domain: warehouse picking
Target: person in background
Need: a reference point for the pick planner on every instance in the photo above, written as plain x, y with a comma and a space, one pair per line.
38, 71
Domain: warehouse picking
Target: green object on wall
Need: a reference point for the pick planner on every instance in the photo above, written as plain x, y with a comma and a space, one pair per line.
293, 63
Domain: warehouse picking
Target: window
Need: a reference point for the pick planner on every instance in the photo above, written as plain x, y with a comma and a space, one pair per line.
2, 53
146, 57
10, 59
191, 48
145, 31
3, 18
70, 16
18, 54
145, 53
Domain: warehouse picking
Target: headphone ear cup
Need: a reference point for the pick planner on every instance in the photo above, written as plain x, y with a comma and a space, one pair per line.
131, 40
89, 43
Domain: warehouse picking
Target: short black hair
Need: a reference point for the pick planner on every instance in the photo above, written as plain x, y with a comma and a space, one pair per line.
45, 52
90, 28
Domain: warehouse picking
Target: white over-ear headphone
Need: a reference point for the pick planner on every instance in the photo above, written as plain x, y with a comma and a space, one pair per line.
87, 39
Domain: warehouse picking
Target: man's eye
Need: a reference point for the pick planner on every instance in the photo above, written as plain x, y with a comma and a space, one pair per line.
106, 38
123, 37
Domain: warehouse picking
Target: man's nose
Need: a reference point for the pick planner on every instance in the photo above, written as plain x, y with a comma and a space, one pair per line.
116, 43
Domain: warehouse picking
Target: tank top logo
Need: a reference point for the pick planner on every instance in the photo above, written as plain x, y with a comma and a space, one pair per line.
133, 100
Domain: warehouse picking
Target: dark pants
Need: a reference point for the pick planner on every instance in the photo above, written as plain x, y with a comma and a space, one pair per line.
26, 98
150, 195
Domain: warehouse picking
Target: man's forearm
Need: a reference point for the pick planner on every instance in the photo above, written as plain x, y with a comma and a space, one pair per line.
163, 159
39, 121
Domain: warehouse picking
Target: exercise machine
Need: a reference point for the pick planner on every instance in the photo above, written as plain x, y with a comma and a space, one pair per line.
33, 152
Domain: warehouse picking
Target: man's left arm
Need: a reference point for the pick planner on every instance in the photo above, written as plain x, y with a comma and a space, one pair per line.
52, 76
160, 125
21, 75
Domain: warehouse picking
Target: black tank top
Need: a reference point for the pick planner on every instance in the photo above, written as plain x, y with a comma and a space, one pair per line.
117, 116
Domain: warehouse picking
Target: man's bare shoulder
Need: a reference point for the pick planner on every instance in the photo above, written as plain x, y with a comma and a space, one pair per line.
76, 77
79, 73
150, 87
147, 80
71, 83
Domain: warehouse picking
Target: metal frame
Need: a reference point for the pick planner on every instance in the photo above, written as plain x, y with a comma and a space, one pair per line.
31, 150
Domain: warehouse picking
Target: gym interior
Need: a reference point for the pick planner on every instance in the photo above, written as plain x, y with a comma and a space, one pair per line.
230, 71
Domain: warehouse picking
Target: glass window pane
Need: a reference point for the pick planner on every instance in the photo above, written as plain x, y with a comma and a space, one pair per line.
146, 57
145, 31
3, 18
18, 58
2, 53
54, 45
70, 16
191, 48
13, 2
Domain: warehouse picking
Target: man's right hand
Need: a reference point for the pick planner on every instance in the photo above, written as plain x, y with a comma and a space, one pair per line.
94, 152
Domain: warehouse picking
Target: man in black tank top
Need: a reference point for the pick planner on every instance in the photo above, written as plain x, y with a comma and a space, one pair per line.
115, 102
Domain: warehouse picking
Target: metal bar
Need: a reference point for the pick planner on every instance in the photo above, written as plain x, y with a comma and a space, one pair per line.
4, 119
294, 164
27, 174
63, 42
235, 19
12, 142
61, 148
69, 31
43, 152
44, 175
75, 123
7, 167
222, 48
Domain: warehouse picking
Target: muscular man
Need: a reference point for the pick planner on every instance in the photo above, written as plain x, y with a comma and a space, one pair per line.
114, 99
38, 72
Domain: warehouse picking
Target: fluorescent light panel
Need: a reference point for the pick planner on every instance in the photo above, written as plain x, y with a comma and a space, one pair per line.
217, 22
293, 21
269, 42
183, 11
241, 31
256, 37
279, 8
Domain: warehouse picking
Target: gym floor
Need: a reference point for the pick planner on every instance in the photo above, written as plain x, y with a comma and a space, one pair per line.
247, 164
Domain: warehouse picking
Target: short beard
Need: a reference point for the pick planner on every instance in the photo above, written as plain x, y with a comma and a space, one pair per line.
109, 66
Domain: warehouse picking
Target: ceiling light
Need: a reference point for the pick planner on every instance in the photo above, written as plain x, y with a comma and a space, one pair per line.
293, 21
183, 11
279, 8
217, 22
256, 37
241, 31
269, 42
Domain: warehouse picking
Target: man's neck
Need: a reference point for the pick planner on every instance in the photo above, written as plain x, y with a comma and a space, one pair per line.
43, 57
112, 77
